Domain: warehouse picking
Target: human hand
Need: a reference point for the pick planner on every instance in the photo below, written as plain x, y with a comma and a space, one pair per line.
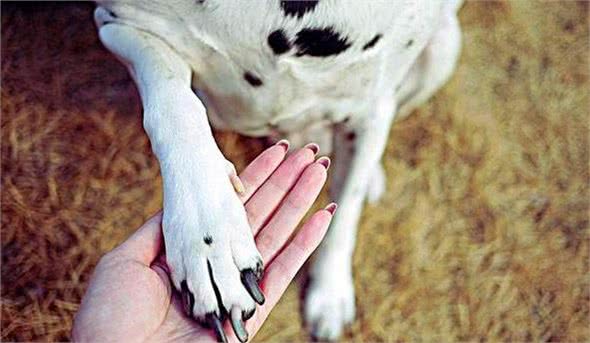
130, 296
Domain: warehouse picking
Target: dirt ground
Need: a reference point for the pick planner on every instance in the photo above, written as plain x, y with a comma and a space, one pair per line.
483, 233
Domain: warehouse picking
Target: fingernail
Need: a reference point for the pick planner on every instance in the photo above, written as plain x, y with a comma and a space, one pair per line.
284, 143
331, 208
313, 147
325, 161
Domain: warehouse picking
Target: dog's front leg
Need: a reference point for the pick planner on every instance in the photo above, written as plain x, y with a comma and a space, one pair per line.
209, 245
329, 302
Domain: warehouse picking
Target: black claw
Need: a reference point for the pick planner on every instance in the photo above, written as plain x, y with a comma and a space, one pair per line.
188, 299
214, 322
251, 283
239, 328
223, 314
248, 314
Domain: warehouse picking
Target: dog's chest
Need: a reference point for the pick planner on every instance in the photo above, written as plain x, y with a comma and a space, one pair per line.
264, 66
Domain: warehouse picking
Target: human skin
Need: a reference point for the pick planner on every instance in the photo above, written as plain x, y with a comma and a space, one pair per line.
130, 296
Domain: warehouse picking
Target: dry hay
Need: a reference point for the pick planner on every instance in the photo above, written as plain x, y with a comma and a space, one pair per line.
483, 233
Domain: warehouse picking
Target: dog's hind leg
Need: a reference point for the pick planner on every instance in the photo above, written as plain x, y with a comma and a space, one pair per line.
329, 303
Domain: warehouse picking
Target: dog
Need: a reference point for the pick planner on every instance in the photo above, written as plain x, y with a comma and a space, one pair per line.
332, 72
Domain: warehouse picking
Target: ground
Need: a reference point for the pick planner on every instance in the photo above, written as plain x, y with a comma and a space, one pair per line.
483, 233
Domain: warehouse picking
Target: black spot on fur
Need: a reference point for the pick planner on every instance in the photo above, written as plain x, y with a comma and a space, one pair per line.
372, 42
351, 136
320, 42
253, 80
409, 43
208, 239
298, 8
278, 42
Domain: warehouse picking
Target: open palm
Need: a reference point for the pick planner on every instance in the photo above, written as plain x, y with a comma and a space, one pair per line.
130, 296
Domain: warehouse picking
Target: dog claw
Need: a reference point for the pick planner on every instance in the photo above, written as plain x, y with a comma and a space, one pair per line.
248, 314
250, 281
213, 321
187, 299
238, 325
234, 178
237, 183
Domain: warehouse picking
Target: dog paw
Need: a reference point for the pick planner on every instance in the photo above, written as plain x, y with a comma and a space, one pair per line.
210, 249
329, 307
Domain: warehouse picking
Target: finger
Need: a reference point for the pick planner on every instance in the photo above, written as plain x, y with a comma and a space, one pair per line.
261, 168
145, 244
275, 234
160, 261
160, 267
268, 197
284, 267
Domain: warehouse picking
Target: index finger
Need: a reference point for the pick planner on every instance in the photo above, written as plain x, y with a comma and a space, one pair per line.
261, 168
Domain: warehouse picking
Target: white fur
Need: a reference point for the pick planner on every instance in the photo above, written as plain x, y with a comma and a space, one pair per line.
199, 200
173, 45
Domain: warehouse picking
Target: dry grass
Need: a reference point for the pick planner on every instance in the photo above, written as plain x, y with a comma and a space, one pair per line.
483, 234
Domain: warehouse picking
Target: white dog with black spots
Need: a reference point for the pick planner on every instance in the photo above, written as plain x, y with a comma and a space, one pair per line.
333, 72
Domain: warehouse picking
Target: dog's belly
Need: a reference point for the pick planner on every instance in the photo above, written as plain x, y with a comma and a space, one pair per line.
268, 67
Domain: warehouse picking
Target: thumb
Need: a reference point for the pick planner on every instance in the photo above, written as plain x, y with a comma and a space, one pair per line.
146, 243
